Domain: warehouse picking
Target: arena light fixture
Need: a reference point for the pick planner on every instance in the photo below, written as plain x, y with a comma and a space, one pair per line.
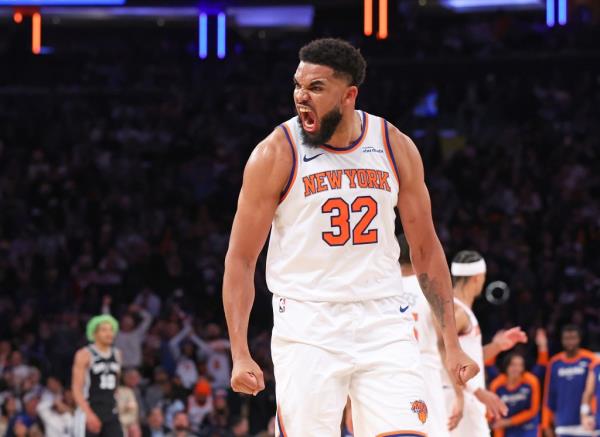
368, 18
562, 12
383, 20
36, 33
221, 32
479, 5
550, 18
61, 2
203, 36
18, 17
299, 17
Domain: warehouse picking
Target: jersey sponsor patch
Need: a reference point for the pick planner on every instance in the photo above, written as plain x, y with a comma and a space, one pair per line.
420, 408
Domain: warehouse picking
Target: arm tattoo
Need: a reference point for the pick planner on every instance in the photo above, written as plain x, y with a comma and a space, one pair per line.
431, 290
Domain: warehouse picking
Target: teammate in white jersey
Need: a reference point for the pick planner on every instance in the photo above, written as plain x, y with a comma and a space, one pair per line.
427, 331
326, 183
468, 276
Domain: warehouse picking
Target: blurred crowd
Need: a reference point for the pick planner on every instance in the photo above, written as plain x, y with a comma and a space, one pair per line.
120, 166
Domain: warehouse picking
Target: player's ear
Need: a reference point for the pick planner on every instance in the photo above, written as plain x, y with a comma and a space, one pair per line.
350, 94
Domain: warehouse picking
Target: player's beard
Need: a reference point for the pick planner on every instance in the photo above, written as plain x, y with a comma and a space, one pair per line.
328, 125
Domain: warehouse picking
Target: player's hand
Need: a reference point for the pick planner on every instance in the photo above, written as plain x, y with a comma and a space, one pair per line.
247, 377
494, 404
460, 366
456, 413
588, 422
507, 339
501, 423
92, 423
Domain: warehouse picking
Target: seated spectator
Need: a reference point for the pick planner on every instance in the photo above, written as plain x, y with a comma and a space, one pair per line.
199, 405
57, 414
128, 411
28, 417
155, 424
181, 426
9, 410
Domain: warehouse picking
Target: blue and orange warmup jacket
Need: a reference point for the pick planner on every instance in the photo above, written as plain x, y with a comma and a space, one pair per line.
565, 383
523, 401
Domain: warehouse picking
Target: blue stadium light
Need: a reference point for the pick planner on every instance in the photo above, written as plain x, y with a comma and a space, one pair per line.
550, 13
62, 2
562, 12
221, 31
203, 36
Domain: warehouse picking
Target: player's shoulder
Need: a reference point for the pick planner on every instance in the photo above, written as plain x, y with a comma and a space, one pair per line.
556, 359
530, 378
587, 354
83, 355
277, 147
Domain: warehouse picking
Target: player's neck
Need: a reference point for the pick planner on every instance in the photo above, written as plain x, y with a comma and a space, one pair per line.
513, 382
572, 354
464, 296
347, 131
102, 348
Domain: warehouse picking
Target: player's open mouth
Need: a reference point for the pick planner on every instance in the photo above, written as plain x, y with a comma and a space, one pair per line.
308, 118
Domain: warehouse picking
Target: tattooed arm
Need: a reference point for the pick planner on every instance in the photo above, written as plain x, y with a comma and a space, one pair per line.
427, 255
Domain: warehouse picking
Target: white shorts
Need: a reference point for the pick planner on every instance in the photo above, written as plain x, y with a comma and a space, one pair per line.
473, 422
437, 423
324, 352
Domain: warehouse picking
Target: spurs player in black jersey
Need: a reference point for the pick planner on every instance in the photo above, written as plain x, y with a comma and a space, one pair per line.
95, 379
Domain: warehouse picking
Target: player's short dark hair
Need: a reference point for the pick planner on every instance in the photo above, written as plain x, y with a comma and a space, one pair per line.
570, 328
404, 250
465, 256
343, 57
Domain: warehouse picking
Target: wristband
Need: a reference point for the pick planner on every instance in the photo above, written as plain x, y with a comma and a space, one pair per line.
585, 410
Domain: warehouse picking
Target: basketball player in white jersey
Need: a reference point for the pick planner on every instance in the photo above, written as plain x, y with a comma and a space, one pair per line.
468, 275
439, 422
326, 184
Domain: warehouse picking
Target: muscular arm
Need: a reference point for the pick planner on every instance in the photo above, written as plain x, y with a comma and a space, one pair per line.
427, 256
265, 176
80, 365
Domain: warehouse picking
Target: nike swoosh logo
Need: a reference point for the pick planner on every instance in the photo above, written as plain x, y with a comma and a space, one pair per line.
305, 159
404, 309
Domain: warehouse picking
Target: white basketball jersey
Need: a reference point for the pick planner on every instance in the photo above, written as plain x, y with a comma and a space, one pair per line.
332, 237
425, 329
473, 347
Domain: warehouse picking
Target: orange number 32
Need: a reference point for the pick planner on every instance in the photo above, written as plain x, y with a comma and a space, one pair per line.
341, 221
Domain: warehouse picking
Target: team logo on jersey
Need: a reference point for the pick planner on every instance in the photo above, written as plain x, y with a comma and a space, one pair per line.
282, 305
420, 408
371, 149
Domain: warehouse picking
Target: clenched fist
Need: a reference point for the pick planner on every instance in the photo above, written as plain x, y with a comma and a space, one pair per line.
246, 377
460, 366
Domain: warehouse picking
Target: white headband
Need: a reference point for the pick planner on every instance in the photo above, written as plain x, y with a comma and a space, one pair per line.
468, 269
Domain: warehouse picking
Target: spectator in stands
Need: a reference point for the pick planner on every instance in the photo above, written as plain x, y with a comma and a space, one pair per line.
57, 415
199, 405
128, 411
181, 426
155, 424
130, 337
